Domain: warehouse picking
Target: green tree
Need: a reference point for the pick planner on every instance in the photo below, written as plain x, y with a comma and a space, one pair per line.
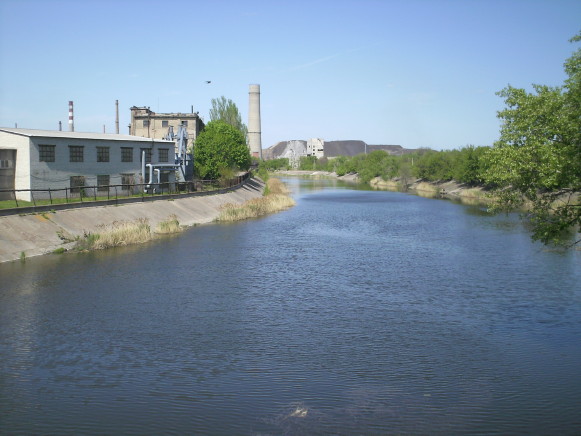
220, 147
538, 156
226, 110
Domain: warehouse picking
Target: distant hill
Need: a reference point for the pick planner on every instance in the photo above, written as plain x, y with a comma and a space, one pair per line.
332, 149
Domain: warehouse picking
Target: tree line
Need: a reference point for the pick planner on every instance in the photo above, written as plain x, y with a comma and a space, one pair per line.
535, 162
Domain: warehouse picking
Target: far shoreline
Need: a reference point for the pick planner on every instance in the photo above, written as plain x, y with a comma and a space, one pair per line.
452, 190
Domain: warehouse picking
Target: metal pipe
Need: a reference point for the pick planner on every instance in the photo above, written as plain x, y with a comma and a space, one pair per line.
143, 166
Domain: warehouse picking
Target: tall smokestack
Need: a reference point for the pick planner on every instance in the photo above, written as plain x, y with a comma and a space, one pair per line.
117, 116
71, 118
254, 133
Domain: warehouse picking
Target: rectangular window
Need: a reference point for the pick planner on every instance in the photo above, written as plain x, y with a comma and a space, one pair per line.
102, 154
103, 183
77, 182
46, 153
147, 155
164, 155
127, 181
145, 123
165, 123
126, 154
76, 153
185, 123
6, 164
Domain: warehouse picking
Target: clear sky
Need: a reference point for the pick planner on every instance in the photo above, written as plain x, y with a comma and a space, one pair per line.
418, 73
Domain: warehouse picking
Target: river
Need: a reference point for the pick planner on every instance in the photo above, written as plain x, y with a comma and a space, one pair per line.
355, 312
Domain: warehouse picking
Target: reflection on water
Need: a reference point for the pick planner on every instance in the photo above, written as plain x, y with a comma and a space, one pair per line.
355, 312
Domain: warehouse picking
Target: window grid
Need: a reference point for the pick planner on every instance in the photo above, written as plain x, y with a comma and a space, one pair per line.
46, 153
126, 154
103, 182
77, 183
127, 181
102, 154
76, 153
164, 155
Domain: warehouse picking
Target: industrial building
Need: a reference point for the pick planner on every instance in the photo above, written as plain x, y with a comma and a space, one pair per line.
316, 147
44, 159
149, 124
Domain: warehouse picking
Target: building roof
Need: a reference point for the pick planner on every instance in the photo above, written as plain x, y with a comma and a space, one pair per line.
78, 135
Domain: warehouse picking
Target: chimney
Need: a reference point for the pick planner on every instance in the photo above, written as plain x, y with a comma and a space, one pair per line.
254, 133
71, 118
60, 126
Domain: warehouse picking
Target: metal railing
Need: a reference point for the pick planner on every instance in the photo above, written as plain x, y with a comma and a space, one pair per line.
9, 202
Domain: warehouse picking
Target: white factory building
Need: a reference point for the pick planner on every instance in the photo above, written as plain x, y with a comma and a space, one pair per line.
44, 159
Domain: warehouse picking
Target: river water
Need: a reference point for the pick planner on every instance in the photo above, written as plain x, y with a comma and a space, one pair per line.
355, 312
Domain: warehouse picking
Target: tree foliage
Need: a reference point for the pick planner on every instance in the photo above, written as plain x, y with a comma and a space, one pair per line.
538, 156
226, 110
220, 147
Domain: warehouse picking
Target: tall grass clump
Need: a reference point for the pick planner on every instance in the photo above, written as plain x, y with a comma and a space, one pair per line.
120, 233
171, 225
277, 198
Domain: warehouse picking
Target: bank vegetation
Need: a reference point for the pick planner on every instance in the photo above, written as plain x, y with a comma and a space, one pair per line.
276, 198
127, 233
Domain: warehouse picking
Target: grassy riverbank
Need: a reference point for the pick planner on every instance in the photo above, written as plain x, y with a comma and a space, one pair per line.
276, 198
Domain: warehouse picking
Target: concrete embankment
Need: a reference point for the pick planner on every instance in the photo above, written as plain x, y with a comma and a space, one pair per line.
41, 233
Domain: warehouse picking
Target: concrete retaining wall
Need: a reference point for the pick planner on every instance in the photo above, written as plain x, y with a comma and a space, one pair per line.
38, 234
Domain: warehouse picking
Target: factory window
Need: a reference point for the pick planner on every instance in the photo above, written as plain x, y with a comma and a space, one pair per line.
164, 155
102, 154
147, 155
76, 153
165, 123
127, 181
77, 183
145, 123
103, 183
46, 153
126, 154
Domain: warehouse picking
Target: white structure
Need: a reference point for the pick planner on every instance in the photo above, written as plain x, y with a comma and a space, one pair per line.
43, 159
316, 147
254, 132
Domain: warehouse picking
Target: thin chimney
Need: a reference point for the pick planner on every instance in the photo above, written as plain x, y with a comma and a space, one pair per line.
117, 116
71, 118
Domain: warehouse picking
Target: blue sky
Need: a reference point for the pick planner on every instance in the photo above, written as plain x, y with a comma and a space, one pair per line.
416, 73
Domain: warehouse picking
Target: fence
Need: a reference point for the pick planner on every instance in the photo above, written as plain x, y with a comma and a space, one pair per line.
9, 202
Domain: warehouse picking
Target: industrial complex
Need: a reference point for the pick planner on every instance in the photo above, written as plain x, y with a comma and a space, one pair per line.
155, 151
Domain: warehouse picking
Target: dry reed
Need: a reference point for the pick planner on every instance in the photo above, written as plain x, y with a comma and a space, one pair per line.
122, 233
171, 225
277, 199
